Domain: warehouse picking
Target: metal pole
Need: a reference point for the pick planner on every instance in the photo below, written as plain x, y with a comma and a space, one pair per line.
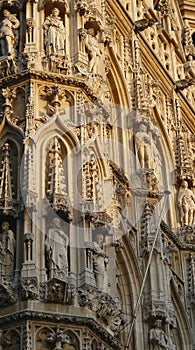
166, 193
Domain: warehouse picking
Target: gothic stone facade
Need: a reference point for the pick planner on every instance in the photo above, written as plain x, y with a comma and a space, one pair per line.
97, 204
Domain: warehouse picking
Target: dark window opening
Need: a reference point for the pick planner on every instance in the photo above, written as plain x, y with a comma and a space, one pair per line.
193, 38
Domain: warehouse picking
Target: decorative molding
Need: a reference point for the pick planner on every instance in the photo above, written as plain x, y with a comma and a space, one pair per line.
56, 318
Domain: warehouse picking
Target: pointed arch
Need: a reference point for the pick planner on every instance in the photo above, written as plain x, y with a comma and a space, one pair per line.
14, 340
182, 334
129, 286
116, 82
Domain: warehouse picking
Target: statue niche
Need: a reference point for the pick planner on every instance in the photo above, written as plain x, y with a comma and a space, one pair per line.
9, 38
186, 204
93, 50
55, 34
55, 58
100, 262
9, 33
7, 252
158, 338
56, 247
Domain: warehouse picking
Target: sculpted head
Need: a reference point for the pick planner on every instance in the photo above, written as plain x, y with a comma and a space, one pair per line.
56, 223
6, 13
158, 323
184, 184
55, 12
91, 31
5, 226
143, 127
99, 239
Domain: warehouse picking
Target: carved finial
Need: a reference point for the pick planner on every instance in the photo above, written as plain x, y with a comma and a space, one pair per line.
55, 95
58, 338
9, 96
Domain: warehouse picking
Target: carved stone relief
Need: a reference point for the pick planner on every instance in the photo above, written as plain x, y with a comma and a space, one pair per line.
58, 291
105, 307
10, 339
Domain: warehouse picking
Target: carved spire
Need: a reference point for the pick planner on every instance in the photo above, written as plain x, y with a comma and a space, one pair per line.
28, 178
184, 161
191, 276
141, 102
6, 184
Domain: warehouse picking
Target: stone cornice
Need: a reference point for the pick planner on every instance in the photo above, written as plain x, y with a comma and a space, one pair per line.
26, 75
181, 245
63, 319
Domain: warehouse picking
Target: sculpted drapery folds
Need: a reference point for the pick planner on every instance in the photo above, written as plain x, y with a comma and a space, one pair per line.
100, 262
7, 251
146, 148
158, 338
92, 48
186, 204
55, 34
8, 33
56, 246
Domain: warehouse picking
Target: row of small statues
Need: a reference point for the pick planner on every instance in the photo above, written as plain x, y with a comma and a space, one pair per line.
56, 244
56, 247
55, 37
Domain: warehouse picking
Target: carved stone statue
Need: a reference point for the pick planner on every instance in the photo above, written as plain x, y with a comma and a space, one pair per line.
7, 251
92, 48
55, 34
156, 158
8, 33
56, 245
100, 262
158, 338
142, 146
186, 204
